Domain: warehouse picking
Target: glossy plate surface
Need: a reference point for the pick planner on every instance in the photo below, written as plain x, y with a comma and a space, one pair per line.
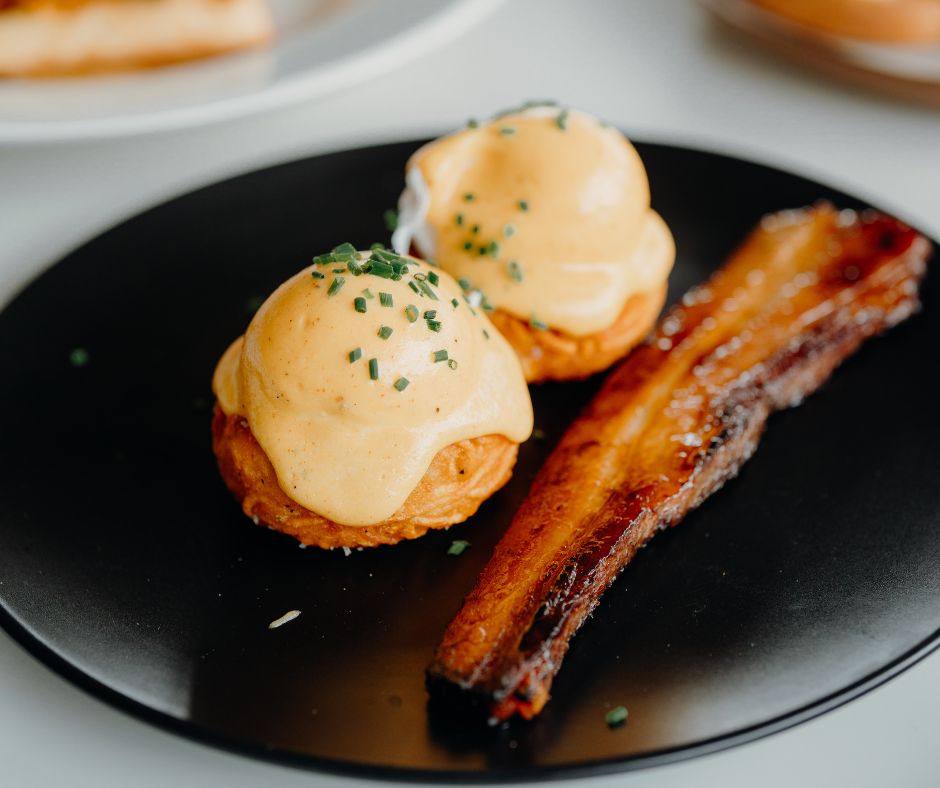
127, 566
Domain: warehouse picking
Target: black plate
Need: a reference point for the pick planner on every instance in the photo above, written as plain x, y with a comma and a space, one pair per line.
126, 565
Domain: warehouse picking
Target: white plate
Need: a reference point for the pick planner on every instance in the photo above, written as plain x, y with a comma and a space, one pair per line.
322, 45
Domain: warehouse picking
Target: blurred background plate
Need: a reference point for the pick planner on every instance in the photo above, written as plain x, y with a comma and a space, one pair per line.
908, 71
321, 45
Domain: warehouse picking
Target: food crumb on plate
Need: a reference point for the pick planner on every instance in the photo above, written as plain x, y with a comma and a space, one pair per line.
289, 616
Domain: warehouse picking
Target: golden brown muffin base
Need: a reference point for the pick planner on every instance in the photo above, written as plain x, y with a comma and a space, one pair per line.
461, 476
555, 355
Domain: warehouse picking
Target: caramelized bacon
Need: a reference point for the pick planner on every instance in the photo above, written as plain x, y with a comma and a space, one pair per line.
669, 427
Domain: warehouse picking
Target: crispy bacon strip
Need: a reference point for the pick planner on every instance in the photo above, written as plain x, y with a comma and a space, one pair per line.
674, 422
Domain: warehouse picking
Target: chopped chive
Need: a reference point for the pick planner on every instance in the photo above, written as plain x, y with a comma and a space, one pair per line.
355, 355
509, 231
324, 259
373, 369
385, 332
317, 275
354, 268
338, 270
616, 717
433, 278
360, 304
78, 357
440, 355
481, 251
401, 384
454, 302
457, 546
492, 249
429, 314
420, 277
473, 123
468, 245
452, 363
345, 248
434, 325
464, 283
391, 219
514, 270
486, 334
475, 229
537, 324
386, 299
523, 205
458, 219
469, 197
377, 247
368, 293
426, 289
414, 287
382, 269
411, 312
335, 286
562, 120
507, 131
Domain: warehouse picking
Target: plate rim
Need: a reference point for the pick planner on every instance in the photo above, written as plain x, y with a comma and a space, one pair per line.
35, 646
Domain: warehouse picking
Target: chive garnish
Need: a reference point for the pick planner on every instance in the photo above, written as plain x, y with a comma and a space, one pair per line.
440, 355
429, 314
492, 249
420, 277
469, 197
381, 268
391, 219
507, 131
317, 275
401, 384
464, 283
411, 312
368, 293
344, 248
360, 304
468, 245
486, 334
414, 287
537, 324
616, 717
509, 231
514, 270
458, 219
452, 363
355, 355
434, 325
78, 357
426, 289
473, 123
386, 299
475, 229
373, 368
338, 270
377, 247
335, 286
433, 278
562, 120
454, 302
354, 268
523, 205
457, 546
385, 332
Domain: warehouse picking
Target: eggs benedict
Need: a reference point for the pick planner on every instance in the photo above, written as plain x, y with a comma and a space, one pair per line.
367, 402
547, 212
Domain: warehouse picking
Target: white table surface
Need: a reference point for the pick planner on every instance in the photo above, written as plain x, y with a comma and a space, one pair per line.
659, 70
